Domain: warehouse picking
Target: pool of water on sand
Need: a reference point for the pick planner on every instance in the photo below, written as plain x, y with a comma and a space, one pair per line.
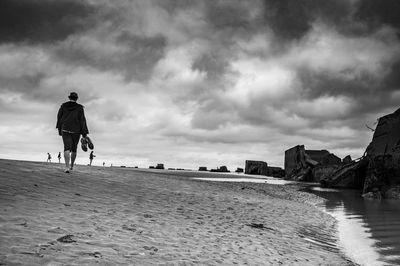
369, 230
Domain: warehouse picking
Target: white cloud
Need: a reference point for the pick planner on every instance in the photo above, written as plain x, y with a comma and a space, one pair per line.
326, 50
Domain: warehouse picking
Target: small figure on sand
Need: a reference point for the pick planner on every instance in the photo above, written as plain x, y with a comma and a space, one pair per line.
71, 124
59, 157
48, 158
104, 164
91, 156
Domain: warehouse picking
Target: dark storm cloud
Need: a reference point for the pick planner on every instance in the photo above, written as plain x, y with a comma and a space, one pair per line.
132, 55
392, 80
288, 19
38, 21
228, 15
376, 13
293, 19
24, 83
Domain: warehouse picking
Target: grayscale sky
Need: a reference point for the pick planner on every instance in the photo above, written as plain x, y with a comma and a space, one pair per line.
198, 83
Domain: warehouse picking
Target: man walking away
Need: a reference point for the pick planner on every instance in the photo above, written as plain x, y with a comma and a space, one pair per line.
59, 157
71, 124
48, 158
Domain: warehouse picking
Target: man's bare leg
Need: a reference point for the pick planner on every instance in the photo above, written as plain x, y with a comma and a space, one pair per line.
66, 159
73, 157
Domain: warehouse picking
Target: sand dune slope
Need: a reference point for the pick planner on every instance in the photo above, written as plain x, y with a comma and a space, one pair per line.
113, 216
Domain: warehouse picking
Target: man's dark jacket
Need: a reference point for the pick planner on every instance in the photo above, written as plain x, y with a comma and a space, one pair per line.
71, 118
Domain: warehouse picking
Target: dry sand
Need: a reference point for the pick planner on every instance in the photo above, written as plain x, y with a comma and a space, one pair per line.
125, 216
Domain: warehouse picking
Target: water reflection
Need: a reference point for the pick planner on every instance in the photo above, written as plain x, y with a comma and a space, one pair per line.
274, 181
369, 230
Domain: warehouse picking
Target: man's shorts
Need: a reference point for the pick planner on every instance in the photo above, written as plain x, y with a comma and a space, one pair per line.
71, 141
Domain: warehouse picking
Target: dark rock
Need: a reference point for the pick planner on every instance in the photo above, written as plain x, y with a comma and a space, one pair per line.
317, 155
377, 174
295, 159
300, 163
151, 167
346, 176
256, 168
260, 226
383, 173
393, 193
386, 139
275, 172
222, 169
330, 159
66, 239
239, 170
347, 159
320, 172
160, 166
323, 157
202, 168
383, 154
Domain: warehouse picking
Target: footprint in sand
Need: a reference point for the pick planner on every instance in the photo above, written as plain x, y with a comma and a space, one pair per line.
96, 254
131, 227
152, 248
57, 230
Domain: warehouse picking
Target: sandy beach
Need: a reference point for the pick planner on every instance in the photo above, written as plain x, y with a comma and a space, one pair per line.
126, 216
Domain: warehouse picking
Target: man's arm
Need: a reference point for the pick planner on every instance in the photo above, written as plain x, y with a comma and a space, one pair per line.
59, 116
82, 120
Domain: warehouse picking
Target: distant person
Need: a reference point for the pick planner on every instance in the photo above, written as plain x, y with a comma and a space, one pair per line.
71, 124
104, 164
91, 156
48, 158
59, 157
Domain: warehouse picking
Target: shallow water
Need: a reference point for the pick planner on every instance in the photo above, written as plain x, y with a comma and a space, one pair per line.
268, 180
369, 230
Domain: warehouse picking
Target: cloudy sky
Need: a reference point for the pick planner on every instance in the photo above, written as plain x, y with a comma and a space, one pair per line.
193, 83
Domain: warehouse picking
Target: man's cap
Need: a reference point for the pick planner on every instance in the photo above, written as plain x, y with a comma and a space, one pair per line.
73, 95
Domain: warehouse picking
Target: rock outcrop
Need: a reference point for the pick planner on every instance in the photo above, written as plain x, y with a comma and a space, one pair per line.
275, 171
222, 169
347, 159
262, 168
256, 168
383, 153
377, 173
239, 170
351, 175
309, 165
160, 166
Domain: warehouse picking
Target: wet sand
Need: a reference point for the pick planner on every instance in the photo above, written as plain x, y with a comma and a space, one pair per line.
126, 216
